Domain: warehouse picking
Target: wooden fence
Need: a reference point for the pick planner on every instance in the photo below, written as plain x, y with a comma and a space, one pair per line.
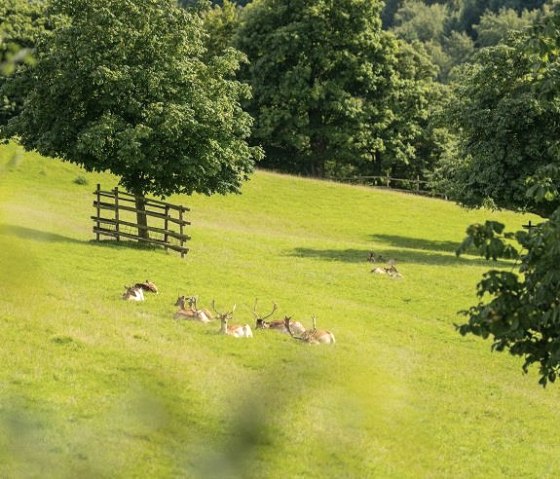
167, 227
416, 186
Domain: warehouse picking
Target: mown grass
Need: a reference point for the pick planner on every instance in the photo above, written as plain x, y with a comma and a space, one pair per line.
91, 386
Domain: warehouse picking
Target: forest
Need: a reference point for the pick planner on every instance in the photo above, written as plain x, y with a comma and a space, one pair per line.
459, 96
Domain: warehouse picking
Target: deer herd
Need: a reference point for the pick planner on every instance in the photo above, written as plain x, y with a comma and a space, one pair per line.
189, 310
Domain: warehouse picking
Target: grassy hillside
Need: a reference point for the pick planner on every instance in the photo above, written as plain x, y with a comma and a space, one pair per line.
92, 386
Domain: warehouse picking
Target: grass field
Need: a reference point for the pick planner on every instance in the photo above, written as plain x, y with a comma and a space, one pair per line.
92, 386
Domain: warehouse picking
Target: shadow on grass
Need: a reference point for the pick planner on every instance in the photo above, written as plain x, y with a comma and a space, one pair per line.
416, 243
35, 234
108, 243
47, 237
403, 249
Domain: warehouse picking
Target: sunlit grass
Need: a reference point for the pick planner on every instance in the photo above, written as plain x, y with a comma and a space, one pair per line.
91, 386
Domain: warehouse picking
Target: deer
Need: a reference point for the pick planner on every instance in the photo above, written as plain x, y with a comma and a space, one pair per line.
132, 293
235, 330
147, 286
375, 258
390, 270
190, 313
278, 325
311, 336
193, 300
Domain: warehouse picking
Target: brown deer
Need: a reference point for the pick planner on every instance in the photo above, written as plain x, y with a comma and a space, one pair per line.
189, 313
278, 325
193, 303
132, 293
375, 258
390, 270
311, 336
235, 330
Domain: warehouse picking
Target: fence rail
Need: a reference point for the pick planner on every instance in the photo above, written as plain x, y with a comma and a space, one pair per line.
120, 220
415, 186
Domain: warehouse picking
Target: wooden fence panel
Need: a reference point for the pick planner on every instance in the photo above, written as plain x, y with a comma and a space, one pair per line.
116, 217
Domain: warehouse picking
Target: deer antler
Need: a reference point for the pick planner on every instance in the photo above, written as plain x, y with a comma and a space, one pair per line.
314, 319
215, 310
258, 316
274, 308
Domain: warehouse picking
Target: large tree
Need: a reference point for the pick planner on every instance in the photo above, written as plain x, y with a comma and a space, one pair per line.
123, 87
509, 118
511, 135
327, 85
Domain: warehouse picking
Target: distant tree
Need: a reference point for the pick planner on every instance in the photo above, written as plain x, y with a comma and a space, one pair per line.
472, 10
388, 13
123, 88
511, 137
433, 25
494, 27
327, 88
509, 134
415, 20
412, 141
220, 23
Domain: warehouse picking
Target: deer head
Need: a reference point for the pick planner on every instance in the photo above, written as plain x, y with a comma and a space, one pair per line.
181, 301
260, 319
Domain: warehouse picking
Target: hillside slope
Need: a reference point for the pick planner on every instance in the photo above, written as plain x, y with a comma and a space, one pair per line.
92, 386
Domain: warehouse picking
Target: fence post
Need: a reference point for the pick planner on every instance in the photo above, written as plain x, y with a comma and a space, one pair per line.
181, 231
98, 197
166, 226
117, 225
417, 182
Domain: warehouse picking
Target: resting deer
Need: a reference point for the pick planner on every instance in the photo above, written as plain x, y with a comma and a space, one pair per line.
189, 313
147, 286
391, 270
278, 325
311, 336
234, 330
133, 293
375, 258
193, 300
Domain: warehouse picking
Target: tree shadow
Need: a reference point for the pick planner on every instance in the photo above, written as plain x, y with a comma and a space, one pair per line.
416, 243
128, 244
33, 234
399, 255
36, 235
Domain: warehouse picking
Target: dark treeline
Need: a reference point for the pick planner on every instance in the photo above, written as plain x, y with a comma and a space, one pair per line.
339, 89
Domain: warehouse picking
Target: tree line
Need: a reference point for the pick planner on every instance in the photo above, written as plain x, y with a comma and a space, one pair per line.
187, 97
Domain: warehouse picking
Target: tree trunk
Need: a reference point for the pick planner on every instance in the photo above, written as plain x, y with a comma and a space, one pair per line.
318, 153
141, 217
318, 144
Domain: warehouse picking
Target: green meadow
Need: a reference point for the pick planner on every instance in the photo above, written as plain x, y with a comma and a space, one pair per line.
95, 387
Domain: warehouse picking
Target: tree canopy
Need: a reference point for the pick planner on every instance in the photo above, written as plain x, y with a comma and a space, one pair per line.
515, 161
123, 87
508, 119
327, 85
